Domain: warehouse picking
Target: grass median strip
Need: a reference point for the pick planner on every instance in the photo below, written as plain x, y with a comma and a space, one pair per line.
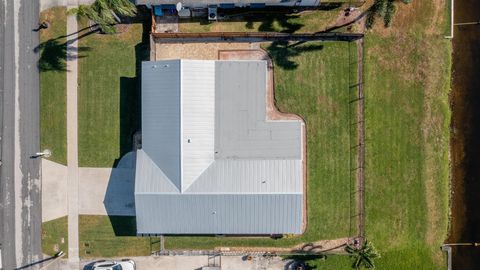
53, 84
55, 236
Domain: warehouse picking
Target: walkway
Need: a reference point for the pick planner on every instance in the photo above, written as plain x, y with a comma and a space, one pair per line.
72, 139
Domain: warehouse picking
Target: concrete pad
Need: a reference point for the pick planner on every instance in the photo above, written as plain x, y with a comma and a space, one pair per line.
108, 191
54, 190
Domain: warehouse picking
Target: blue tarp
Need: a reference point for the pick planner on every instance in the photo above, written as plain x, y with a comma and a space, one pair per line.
157, 10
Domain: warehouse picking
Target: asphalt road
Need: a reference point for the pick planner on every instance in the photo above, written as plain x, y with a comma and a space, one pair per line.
20, 197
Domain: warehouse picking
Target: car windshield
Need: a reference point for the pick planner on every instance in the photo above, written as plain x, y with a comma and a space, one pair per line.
117, 267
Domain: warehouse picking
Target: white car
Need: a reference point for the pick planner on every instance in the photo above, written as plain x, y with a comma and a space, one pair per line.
125, 264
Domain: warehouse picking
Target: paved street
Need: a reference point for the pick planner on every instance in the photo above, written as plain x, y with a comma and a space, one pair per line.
20, 219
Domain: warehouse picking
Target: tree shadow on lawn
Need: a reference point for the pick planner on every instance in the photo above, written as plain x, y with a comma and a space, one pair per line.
283, 16
54, 53
281, 52
295, 261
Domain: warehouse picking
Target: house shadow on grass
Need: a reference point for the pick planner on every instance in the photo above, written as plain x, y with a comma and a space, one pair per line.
130, 95
119, 200
282, 52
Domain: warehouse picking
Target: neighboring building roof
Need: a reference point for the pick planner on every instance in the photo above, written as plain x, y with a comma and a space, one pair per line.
228, 4
200, 3
211, 163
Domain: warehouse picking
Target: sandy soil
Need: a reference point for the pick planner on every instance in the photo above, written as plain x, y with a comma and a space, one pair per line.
200, 51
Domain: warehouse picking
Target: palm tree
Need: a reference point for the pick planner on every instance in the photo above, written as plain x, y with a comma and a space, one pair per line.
363, 256
105, 13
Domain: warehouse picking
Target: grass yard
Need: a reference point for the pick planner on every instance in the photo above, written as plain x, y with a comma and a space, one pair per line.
53, 84
108, 94
313, 81
407, 81
114, 236
307, 21
55, 236
318, 72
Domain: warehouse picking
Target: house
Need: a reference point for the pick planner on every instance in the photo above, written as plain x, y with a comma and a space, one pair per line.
229, 3
211, 161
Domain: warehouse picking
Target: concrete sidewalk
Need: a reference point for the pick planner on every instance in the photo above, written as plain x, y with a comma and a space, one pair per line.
72, 137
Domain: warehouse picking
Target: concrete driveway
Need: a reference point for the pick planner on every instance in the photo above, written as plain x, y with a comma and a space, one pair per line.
102, 191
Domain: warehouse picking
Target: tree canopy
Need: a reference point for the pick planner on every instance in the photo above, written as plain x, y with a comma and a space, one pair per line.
105, 13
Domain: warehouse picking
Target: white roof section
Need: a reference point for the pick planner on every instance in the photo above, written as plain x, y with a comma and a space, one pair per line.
198, 118
207, 144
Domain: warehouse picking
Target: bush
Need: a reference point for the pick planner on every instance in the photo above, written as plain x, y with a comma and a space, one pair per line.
389, 12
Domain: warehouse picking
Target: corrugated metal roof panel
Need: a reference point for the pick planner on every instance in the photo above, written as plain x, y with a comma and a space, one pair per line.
241, 129
150, 178
198, 118
250, 176
219, 214
161, 116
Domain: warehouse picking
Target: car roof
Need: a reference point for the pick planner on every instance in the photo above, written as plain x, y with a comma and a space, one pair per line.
105, 265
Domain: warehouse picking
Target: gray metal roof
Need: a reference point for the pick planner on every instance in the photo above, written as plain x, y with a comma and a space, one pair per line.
241, 130
161, 117
219, 213
223, 152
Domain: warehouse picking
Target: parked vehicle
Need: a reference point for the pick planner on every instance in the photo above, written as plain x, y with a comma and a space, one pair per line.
125, 264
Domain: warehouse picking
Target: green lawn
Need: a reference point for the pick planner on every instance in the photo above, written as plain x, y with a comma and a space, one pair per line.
108, 95
114, 236
53, 84
307, 21
407, 81
55, 236
312, 80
